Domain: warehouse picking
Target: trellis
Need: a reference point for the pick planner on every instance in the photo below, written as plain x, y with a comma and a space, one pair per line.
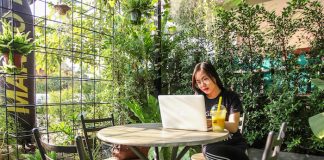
67, 73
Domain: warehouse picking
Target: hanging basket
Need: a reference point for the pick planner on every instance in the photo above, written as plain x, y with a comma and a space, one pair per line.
135, 16
62, 8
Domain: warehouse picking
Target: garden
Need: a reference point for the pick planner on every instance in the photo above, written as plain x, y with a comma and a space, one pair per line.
103, 57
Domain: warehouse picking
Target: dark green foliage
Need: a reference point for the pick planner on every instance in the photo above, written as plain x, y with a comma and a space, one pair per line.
241, 44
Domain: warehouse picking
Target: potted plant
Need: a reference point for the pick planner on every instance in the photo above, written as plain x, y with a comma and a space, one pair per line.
13, 45
62, 8
137, 8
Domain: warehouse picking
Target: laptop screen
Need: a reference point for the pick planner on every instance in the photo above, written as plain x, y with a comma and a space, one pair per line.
183, 112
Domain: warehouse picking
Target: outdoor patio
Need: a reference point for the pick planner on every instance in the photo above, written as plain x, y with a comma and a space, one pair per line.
105, 62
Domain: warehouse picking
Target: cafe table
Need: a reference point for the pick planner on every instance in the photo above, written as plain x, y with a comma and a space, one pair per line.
154, 135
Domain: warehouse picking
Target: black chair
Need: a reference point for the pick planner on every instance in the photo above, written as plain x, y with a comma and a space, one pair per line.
82, 152
90, 126
80, 148
274, 141
45, 148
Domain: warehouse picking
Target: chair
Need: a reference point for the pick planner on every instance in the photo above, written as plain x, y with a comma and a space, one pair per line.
241, 123
89, 126
274, 141
44, 146
82, 152
80, 148
200, 156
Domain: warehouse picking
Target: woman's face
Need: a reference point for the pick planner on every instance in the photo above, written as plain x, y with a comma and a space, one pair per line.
206, 84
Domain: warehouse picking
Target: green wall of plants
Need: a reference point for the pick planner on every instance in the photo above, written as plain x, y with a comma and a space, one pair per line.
118, 65
253, 59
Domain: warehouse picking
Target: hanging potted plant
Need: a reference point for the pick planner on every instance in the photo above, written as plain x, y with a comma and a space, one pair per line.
136, 8
13, 45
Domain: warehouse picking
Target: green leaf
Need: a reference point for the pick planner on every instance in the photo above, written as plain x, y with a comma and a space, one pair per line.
112, 3
146, 114
319, 83
172, 29
316, 123
136, 109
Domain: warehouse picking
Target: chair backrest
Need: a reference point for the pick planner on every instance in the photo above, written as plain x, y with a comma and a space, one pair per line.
94, 128
44, 146
241, 124
80, 148
274, 141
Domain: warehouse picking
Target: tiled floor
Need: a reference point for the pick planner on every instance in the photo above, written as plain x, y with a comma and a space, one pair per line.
256, 154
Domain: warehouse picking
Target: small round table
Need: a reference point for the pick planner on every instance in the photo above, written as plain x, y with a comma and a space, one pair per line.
154, 135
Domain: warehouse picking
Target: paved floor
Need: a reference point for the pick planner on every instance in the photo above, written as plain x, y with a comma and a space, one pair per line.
256, 154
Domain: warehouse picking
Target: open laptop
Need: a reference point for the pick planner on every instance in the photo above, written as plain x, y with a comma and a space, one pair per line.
183, 112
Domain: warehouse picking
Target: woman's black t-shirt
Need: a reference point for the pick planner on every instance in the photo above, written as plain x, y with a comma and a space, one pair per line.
233, 104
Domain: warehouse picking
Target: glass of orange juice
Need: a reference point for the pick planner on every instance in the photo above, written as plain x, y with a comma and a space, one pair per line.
218, 119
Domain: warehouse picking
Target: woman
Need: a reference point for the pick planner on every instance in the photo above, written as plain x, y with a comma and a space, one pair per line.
206, 81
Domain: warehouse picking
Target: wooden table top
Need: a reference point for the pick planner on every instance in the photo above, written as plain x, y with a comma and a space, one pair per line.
152, 134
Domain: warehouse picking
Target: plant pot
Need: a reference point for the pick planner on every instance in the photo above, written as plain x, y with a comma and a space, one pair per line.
135, 16
122, 152
16, 59
62, 8
13, 66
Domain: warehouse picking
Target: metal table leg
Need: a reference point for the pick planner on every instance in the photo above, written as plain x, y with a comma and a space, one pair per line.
156, 155
174, 152
182, 153
138, 153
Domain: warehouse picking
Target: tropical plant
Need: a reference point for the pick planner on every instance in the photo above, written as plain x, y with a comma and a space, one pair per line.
148, 113
14, 44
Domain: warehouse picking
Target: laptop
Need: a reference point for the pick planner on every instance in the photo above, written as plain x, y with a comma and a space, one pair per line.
183, 112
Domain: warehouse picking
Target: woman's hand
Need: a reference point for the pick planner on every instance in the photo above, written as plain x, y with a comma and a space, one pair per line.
233, 122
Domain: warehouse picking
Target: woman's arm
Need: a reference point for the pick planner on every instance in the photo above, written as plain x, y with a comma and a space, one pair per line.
233, 121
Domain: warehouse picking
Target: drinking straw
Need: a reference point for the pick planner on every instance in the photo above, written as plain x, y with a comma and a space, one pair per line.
219, 103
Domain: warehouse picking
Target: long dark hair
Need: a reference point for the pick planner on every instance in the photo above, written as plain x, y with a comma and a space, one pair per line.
210, 70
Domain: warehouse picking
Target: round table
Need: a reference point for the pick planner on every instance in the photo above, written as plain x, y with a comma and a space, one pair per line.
154, 135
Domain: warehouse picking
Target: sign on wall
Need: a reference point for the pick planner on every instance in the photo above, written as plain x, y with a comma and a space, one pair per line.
19, 88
